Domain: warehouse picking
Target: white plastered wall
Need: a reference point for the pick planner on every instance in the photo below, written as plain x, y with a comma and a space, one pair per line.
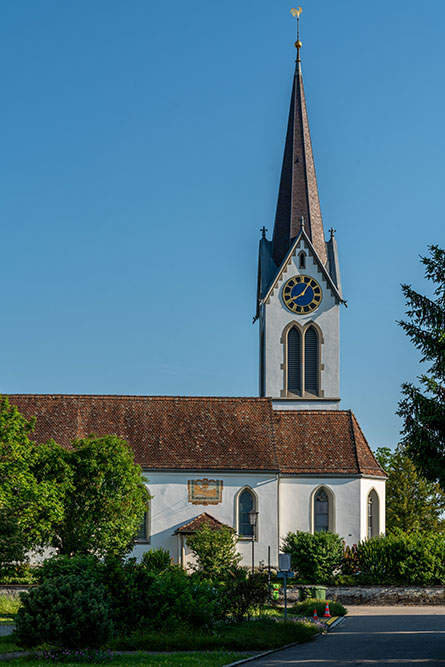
296, 504
170, 508
367, 484
277, 317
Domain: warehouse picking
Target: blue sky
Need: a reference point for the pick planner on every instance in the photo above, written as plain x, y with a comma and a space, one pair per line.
140, 156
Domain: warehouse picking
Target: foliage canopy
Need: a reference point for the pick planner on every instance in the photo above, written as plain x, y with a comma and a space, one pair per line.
107, 498
412, 502
215, 551
423, 408
314, 557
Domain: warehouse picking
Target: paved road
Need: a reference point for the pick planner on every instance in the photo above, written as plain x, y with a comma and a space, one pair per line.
393, 636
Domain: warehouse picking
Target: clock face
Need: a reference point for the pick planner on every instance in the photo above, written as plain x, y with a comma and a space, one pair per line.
301, 294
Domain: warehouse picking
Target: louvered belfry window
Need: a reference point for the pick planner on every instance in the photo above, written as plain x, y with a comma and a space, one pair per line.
294, 361
311, 361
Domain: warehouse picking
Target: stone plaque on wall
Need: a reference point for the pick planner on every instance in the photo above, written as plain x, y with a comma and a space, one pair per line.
205, 491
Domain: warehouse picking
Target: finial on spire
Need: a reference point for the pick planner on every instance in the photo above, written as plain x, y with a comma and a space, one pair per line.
263, 231
298, 44
332, 231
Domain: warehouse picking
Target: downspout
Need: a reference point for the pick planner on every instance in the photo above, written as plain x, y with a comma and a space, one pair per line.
278, 516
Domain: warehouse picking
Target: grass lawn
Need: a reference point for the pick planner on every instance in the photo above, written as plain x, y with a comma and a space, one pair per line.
307, 607
256, 635
9, 605
7, 645
217, 659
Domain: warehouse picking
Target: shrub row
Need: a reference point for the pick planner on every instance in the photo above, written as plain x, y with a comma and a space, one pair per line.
396, 559
83, 602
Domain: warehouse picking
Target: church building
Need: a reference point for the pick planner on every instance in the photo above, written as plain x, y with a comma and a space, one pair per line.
291, 454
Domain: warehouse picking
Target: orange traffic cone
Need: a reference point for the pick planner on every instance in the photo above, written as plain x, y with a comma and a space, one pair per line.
315, 617
327, 613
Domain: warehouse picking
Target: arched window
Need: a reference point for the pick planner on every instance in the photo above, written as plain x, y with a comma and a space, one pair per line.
144, 530
294, 361
373, 514
246, 502
321, 511
311, 361
302, 260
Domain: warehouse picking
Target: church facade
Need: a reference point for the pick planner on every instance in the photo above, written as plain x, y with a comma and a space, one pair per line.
291, 454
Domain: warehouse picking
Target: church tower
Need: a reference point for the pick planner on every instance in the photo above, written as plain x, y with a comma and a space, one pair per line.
299, 289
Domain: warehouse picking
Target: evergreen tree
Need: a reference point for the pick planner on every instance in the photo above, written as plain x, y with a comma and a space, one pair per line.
423, 408
412, 502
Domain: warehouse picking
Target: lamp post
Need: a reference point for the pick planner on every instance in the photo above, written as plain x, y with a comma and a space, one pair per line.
253, 515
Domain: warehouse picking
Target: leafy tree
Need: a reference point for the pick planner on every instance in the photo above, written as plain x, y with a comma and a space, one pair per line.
314, 557
30, 504
412, 502
215, 551
423, 409
107, 498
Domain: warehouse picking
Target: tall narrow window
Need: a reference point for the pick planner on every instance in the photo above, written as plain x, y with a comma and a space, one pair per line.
246, 502
144, 530
321, 511
311, 361
302, 262
373, 514
294, 361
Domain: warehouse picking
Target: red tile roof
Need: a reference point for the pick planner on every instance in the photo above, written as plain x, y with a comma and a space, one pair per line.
322, 442
199, 521
191, 433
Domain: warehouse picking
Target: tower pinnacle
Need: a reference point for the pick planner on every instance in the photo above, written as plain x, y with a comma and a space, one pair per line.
298, 43
298, 191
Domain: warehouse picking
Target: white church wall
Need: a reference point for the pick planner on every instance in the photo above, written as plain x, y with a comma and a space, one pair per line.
296, 504
277, 317
170, 509
379, 485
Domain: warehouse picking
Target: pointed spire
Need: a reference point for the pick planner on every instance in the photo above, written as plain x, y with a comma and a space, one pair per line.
298, 192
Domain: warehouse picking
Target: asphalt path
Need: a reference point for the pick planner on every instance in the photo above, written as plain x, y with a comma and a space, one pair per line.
393, 636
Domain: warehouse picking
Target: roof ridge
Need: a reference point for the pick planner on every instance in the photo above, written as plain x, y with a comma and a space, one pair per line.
142, 397
351, 424
314, 411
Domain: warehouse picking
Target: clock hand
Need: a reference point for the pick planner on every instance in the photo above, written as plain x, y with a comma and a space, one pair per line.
303, 292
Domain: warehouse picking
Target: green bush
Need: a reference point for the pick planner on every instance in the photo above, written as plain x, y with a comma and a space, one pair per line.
314, 557
215, 551
143, 598
68, 611
307, 607
243, 593
62, 566
156, 560
402, 559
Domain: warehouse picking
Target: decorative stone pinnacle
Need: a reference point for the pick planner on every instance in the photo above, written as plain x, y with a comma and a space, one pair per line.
263, 231
332, 231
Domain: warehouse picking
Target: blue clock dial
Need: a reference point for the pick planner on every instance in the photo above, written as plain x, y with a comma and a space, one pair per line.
301, 294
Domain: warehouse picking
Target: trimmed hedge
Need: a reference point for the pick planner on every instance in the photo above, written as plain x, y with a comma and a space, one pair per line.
416, 559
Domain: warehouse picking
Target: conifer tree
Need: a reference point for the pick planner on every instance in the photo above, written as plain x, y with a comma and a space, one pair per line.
423, 407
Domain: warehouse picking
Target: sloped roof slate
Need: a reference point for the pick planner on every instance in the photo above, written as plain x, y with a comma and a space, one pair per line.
208, 433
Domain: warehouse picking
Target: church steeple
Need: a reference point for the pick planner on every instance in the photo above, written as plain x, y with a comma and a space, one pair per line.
299, 290
298, 192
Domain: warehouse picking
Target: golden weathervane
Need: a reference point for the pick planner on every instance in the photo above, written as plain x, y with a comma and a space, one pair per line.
298, 44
